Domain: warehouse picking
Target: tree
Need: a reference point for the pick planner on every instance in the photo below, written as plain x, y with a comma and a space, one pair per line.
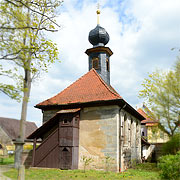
173, 145
25, 50
162, 94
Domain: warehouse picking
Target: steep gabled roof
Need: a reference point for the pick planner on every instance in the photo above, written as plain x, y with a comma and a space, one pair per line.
11, 127
148, 119
88, 88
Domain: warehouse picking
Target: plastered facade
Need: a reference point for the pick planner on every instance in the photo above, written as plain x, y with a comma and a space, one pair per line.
156, 135
108, 131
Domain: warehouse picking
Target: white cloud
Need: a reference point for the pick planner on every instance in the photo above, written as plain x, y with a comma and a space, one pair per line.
141, 36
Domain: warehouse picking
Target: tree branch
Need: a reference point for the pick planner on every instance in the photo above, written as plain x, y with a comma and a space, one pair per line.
29, 27
33, 10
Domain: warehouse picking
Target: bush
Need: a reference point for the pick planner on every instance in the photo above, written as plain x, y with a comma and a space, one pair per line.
170, 166
173, 145
86, 161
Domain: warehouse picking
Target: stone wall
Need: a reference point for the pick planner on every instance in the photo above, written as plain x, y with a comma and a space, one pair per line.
130, 140
105, 131
99, 136
47, 114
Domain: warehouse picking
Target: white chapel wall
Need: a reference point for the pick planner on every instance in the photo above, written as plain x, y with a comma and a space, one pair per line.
99, 136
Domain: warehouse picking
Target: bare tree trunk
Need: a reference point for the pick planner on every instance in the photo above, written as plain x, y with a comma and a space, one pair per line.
20, 142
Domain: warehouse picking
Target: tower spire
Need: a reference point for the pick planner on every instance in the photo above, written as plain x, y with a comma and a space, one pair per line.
99, 55
98, 13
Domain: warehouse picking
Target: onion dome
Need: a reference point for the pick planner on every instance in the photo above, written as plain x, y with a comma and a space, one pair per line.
98, 36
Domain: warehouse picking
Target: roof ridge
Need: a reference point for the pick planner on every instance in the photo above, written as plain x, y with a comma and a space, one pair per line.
10, 118
17, 120
104, 83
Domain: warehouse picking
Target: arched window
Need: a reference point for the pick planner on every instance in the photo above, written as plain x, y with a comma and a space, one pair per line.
131, 134
95, 63
107, 64
125, 131
137, 134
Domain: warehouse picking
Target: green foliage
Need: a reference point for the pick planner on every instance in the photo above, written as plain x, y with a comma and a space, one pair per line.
86, 161
7, 160
170, 166
144, 171
173, 145
161, 91
25, 50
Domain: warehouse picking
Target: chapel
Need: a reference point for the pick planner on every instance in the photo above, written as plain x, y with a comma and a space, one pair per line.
89, 119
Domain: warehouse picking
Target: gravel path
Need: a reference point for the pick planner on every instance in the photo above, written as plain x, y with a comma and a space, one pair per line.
4, 168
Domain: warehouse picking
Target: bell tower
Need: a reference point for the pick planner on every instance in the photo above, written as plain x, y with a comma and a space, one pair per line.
99, 55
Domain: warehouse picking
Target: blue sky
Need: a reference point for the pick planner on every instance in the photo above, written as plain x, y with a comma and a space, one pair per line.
142, 34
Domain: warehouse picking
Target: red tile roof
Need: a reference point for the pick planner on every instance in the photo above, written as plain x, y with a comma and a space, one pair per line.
147, 118
88, 88
68, 111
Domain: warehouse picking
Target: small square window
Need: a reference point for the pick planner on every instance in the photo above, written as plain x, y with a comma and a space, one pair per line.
76, 120
65, 121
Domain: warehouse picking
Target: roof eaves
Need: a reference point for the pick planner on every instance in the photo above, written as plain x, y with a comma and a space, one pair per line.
77, 103
133, 110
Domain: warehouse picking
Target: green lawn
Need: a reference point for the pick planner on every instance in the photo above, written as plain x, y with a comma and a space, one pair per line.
146, 171
7, 160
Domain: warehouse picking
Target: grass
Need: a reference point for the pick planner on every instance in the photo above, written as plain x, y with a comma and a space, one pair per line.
7, 160
147, 171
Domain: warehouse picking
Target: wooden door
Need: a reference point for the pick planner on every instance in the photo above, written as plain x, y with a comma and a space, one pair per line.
65, 158
69, 140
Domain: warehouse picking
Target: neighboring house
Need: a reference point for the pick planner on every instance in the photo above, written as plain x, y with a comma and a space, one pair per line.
9, 131
152, 135
149, 127
89, 119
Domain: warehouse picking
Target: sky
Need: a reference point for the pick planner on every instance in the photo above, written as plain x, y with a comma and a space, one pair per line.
142, 34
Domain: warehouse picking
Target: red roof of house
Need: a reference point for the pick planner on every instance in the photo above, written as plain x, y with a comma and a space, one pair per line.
148, 119
88, 88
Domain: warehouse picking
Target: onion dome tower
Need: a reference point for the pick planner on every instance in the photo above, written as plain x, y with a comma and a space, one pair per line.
99, 55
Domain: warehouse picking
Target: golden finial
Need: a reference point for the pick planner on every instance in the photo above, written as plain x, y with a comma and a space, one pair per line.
98, 12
